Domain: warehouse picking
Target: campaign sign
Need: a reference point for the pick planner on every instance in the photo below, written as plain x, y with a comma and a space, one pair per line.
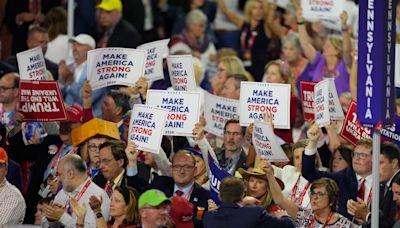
217, 111
321, 102
335, 109
352, 131
147, 126
31, 64
376, 50
320, 9
281, 3
307, 97
265, 144
41, 101
217, 174
115, 66
181, 72
257, 98
154, 61
392, 133
183, 107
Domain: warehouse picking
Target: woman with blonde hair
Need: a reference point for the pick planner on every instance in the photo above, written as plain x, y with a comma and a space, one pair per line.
228, 65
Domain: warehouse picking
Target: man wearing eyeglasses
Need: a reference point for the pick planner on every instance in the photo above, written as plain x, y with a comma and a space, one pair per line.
354, 182
232, 157
182, 183
9, 84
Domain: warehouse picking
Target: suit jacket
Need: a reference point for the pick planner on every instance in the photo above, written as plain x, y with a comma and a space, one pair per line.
387, 207
134, 13
233, 215
198, 197
40, 156
345, 179
132, 181
124, 35
14, 174
241, 163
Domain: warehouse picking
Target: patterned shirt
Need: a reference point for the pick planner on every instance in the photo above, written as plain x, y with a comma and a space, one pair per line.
12, 204
304, 218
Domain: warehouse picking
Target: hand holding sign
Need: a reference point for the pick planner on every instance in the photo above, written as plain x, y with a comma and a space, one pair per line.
131, 154
343, 18
266, 166
314, 133
198, 131
87, 94
141, 86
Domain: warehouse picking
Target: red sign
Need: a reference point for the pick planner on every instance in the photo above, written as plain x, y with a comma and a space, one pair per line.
41, 101
352, 130
307, 98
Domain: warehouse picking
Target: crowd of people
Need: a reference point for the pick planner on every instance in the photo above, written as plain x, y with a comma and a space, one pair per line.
85, 172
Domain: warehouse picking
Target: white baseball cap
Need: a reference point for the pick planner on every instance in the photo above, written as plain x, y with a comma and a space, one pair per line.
84, 39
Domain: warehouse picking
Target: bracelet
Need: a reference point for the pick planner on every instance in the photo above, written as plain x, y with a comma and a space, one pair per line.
79, 225
99, 214
345, 29
300, 22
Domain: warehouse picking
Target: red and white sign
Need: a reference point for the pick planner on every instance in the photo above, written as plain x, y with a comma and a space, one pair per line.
352, 131
41, 101
307, 98
321, 9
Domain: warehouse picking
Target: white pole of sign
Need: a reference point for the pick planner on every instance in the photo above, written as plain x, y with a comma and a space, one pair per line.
376, 149
70, 31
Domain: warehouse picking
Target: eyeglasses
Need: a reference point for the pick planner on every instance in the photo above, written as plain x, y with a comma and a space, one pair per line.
232, 133
93, 147
318, 194
184, 167
361, 156
3, 88
106, 161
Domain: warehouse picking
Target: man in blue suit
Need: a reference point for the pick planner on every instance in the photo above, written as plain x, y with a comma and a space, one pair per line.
232, 214
353, 182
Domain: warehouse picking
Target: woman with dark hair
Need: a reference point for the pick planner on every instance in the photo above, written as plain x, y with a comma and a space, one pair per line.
123, 209
341, 158
324, 199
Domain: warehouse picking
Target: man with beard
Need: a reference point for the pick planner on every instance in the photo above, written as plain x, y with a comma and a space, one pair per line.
232, 157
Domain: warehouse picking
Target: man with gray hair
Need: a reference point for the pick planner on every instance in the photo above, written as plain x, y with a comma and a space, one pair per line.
72, 172
232, 86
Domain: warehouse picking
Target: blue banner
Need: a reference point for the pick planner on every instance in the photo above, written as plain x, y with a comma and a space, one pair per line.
392, 133
217, 174
376, 52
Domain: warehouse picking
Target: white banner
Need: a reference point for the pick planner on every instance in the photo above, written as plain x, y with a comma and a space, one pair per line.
31, 64
322, 9
217, 111
115, 66
397, 67
180, 68
265, 144
183, 106
335, 109
154, 60
147, 126
321, 103
256, 98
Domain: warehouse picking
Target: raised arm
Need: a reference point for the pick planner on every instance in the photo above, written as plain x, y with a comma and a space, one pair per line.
353, 75
305, 40
234, 18
346, 36
276, 191
276, 28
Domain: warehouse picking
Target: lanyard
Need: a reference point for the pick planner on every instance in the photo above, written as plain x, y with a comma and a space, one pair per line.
79, 196
303, 192
250, 42
312, 220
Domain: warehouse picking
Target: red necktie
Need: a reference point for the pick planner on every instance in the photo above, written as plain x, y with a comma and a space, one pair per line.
179, 193
361, 191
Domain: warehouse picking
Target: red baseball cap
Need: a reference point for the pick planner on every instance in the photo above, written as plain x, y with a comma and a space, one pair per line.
74, 114
3, 156
181, 212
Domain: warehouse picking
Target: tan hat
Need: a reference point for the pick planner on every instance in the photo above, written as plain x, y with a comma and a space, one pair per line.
259, 173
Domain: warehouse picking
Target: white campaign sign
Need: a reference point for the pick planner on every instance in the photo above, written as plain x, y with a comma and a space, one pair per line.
115, 66
322, 9
180, 68
256, 98
335, 109
321, 103
217, 111
265, 144
147, 126
183, 106
154, 60
397, 67
281, 3
31, 64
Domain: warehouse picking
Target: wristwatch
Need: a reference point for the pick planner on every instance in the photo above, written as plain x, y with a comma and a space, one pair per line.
99, 214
